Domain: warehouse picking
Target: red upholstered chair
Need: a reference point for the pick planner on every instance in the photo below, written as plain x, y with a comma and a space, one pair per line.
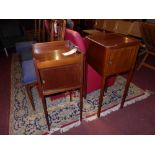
93, 78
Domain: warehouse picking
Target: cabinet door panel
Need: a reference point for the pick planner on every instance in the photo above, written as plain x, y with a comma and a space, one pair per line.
61, 77
120, 60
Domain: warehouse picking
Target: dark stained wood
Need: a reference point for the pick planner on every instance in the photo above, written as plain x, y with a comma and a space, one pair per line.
148, 35
101, 95
56, 72
39, 30
112, 54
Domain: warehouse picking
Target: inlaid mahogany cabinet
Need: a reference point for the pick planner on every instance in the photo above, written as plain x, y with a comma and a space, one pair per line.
57, 72
112, 54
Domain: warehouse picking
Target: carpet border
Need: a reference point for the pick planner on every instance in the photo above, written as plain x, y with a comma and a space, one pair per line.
104, 113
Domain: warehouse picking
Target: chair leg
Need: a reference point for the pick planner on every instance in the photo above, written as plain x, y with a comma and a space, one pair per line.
143, 60
6, 52
28, 88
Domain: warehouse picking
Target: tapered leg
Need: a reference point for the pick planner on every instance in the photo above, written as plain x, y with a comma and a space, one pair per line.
101, 96
81, 103
28, 88
126, 88
46, 112
70, 93
85, 72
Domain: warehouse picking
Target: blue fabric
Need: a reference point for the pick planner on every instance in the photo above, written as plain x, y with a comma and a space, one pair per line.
26, 54
25, 44
28, 72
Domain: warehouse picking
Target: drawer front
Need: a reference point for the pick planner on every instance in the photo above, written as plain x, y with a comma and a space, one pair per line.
61, 77
121, 60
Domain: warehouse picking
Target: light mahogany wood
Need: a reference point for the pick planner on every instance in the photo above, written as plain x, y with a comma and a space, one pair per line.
56, 72
112, 54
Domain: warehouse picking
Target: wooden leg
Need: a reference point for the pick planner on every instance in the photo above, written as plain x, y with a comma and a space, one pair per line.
45, 111
70, 93
143, 60
85, 72
106, 86
28, 88
81, 103
101, 96
126, 88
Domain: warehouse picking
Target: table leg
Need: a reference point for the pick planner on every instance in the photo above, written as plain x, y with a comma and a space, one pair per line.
126, 88
70, 94
81, 103
101, 96
85, 73
46, 112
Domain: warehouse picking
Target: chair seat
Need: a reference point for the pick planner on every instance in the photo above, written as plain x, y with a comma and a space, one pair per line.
28, 72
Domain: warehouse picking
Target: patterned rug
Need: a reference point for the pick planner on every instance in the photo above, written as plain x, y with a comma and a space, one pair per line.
63, 114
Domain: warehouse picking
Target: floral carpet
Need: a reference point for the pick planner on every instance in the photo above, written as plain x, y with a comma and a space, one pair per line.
63, 114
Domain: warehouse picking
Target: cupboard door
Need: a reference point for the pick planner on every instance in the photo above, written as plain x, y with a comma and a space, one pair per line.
120, 60
61, 77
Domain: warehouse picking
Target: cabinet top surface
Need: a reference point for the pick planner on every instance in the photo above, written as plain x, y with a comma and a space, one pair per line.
111, 40
52, 51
